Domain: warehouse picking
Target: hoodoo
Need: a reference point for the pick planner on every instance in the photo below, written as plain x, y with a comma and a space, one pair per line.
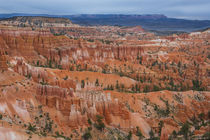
63, 81
3, 60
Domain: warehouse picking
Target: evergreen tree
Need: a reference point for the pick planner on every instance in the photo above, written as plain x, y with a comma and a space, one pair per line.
129, 135
117, 85
82, 84
96, 83
138, 133
185, 130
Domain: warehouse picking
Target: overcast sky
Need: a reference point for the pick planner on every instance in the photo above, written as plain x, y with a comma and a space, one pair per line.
190, 9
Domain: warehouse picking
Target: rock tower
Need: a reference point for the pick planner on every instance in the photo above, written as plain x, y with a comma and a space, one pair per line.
3, 60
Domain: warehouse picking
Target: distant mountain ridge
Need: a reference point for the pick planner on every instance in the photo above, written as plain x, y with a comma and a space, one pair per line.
154, 22
37, 21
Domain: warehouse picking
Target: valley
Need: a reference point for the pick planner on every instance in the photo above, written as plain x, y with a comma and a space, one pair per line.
61, 80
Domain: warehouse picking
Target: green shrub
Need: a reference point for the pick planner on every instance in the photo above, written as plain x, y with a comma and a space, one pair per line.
99, 125
206, 135
138, 133
185, 130
31, 127
97, 83
89, 122
87, 135
82, 84
65, 78
129, 135
160, 124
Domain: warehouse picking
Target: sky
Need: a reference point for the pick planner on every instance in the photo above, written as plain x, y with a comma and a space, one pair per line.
188, 9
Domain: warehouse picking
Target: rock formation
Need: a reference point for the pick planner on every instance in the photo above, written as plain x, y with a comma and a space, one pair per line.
62, 80
3, 60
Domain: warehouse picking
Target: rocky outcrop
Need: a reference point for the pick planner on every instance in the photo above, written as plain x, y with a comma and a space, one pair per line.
61, 78
85, 105
46, 90
3, 60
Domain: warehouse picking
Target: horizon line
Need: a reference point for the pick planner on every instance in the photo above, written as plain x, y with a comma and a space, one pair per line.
177, 17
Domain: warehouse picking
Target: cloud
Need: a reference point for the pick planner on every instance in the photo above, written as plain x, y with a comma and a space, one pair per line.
173, 8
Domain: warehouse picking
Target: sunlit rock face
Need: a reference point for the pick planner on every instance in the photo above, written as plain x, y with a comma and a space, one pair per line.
58, 80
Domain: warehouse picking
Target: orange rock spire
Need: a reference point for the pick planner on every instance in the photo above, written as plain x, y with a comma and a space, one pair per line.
3, 60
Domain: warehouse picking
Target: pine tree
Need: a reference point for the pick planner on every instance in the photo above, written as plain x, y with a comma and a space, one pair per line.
117, 85
96, 83
82, 84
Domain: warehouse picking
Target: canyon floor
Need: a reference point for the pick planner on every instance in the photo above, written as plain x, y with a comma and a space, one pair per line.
63, 81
